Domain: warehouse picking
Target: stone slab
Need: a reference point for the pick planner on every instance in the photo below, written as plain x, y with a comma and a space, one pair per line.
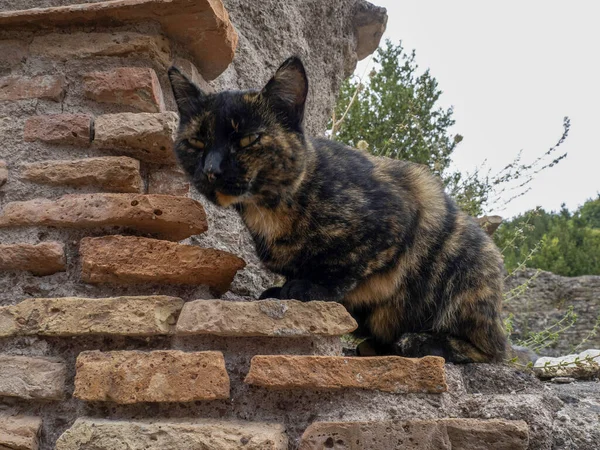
45, 258
32, 378
19, 432
68, 129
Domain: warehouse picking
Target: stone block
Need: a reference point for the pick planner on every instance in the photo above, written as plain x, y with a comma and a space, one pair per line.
168, 181
40, 259
71, 316
128, 260
286, 318
383, 373
127, 377
32, 378
169, 217
20, 88
19, 432
68, 129
110, 173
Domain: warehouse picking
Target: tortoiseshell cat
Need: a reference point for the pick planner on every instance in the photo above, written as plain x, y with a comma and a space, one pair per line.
378, 235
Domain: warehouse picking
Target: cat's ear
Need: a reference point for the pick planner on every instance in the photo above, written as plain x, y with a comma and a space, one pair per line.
188, 96
287, 90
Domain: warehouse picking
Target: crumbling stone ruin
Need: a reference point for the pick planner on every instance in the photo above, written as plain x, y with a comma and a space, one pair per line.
124, 312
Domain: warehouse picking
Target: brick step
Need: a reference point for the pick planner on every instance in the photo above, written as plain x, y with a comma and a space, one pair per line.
145, 136
40, 259
129, 260
284, 318
47, 87
70, 316
32, 378
133, 86
382, 373
199, 434
127, 377
19, 432
173, 218
65, 129
113, 174
438, 434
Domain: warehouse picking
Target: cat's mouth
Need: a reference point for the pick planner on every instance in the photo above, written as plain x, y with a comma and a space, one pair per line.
228, 195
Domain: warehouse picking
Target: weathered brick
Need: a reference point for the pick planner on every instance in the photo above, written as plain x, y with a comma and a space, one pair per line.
71, 316
189, 69
168, 181
126, 377
265, 318
145, 136
438, 434
19, 432
201, 434
132, 86
69, 129
110, 173
14, 52
19, 88
131, 260
3, 172
170, 217
66, 46
383, 373
45, 258
32, 378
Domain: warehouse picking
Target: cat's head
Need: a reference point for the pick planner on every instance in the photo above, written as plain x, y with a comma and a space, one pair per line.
240, 146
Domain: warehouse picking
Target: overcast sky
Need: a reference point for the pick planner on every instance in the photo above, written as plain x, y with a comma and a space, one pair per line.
513, 70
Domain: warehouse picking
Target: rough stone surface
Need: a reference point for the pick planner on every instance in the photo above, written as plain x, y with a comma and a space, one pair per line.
545, 301
32, 378
20, 88
437, 434
202, 434
490, 223
168, 181
265, 318
71, 316
19, 432
40, 259
134, 86
130, 260
66, 46
126, 377
14, 53
170, 217
3, 173
369, 25
109, 173
386, 373
585, 365
145, 136
70, 129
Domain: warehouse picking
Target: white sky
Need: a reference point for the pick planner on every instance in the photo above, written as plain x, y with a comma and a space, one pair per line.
513, 70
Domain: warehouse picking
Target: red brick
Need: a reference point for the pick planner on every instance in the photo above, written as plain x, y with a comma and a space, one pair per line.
71, 129
19, 432
40, 259
170, 217
168, 181
383, 373
132, 86
127, 377
20, 88
132, 260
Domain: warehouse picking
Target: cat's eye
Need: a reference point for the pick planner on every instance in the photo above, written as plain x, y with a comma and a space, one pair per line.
196, 143
249, 140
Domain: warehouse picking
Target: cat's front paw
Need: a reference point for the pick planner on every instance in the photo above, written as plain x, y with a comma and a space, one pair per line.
297, 290
273, 292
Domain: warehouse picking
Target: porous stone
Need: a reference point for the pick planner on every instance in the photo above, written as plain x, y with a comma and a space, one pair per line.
110, 173
201, 434
170, 217
127, 377
490, 223
168, 181
438, 434
3, 173
131, 86
585, 365
32, 378
72, 316
132, 260
383, 373
19, 432
67, 46
369, 23
145, 136
69, 129
45, 258
19, 88
265, 318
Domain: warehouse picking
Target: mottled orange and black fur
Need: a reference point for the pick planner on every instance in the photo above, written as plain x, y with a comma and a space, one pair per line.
377, 235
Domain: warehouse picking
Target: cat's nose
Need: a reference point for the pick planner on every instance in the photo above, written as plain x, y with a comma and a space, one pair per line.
212, 166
